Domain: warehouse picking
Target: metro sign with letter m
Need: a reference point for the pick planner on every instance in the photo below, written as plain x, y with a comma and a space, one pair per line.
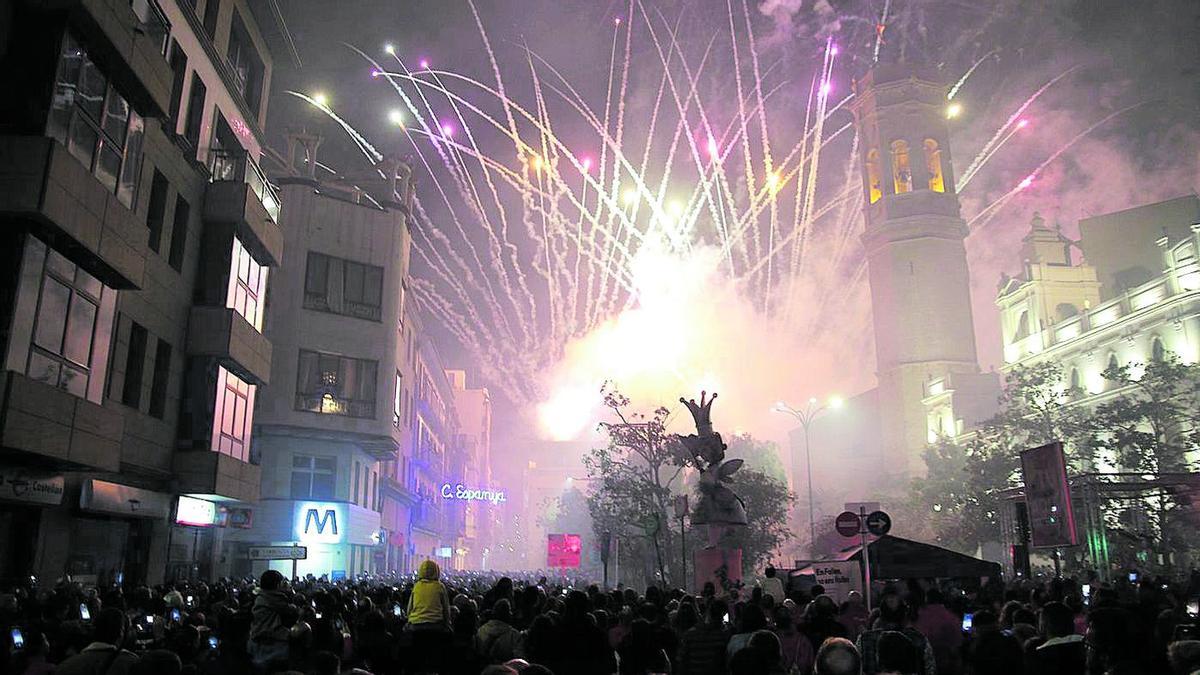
320, 522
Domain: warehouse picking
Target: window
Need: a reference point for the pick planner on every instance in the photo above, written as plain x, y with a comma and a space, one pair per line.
1158, 353
211, 9
397, 407
354, 491
874, 184
1113, 364
179, 228
1065, 310
343, 287
901, 171
247, 285
195, 111
1075, 387
933, 163
135, 364
156, 211
245, 64
95, 122
1022, 331
160, 379
64, 331
232, 415
336, 385
179, 63
312, 477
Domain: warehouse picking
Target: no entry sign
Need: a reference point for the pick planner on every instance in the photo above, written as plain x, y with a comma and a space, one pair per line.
847, 523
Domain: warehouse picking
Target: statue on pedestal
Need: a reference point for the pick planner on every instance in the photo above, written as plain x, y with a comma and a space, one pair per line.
719, 506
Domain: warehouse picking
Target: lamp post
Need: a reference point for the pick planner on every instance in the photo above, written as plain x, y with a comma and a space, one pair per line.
806, 416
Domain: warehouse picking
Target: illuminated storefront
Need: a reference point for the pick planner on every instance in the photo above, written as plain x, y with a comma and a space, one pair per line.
341, 538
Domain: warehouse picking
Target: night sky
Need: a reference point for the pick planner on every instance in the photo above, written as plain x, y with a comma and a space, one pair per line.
1146, 51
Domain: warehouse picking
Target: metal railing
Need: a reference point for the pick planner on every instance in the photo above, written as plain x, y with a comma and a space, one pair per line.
236, 165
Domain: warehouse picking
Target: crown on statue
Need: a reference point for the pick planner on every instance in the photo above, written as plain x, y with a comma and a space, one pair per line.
701, 412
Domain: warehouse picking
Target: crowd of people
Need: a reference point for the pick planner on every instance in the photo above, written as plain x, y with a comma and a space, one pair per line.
468, 624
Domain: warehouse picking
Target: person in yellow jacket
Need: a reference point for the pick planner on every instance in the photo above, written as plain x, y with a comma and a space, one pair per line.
429, 604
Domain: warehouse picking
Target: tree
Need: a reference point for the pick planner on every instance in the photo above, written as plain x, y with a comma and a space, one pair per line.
633, 478
960, 490
1152, 429
762, 456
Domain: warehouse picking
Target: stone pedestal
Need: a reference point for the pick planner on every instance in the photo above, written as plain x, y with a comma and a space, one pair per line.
709, 560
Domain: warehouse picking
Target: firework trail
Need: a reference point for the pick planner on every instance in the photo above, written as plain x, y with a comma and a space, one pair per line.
535, 239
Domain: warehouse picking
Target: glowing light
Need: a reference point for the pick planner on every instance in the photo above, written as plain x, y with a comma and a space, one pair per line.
424, 64
1025, 183
536, 163
321, 99
836, 401
389, 48
813, 400
774, 180
630, 197
675, 208
953, 110
375, 72
826, 87
447, 129
617, 21
713, 150
395, 116
587, 164
833, 51
1022, 124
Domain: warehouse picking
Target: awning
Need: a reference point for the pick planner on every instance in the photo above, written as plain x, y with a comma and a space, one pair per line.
897, 558
123, 500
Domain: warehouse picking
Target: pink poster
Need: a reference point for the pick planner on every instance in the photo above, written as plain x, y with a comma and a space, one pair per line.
563, 550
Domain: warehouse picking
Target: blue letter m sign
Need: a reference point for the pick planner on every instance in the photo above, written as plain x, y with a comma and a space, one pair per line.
329, 519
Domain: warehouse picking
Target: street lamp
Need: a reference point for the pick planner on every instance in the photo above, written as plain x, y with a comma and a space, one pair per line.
806, 416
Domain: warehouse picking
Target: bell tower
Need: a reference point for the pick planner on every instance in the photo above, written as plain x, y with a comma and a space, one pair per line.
917, 263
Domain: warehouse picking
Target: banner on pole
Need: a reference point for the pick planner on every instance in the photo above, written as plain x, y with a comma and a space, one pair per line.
1048, 497
838, 578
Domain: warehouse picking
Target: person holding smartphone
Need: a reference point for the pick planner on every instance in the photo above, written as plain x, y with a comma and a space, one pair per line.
106, 653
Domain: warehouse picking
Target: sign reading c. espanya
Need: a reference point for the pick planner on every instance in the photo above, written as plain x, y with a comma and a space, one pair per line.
464, 493
321, 522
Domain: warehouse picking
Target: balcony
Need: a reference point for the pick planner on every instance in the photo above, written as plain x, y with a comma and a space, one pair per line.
42, 182
209, 473
240, 195
129, 37
39, 419
222, 333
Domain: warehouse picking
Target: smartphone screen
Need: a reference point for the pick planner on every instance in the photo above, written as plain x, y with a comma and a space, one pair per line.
1087, 591
1193, 607
18, 639
175, 615
968, 619
84, 612
396, 610
149, 619
213, 642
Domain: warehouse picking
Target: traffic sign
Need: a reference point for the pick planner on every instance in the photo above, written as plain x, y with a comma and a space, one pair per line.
278, 553
879, 523
847, 523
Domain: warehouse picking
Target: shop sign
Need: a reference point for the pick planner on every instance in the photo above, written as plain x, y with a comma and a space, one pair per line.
321, 522
192, 511
461, 492
123, 500
242, 519
31, 487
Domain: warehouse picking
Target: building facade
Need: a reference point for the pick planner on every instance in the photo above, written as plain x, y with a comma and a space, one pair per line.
325, 426
139, 238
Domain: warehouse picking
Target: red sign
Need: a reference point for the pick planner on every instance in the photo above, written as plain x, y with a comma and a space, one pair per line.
847, 523
563, 550
1048, 497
